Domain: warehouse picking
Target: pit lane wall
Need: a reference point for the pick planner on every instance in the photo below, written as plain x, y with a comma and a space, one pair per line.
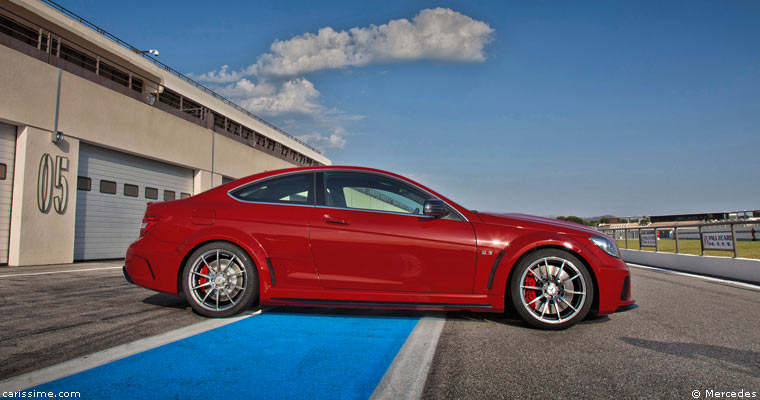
742, 269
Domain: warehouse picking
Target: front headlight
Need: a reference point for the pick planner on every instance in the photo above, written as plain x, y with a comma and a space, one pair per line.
606, 244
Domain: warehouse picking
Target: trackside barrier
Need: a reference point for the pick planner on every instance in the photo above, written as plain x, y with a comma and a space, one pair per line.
742, 269
719, 236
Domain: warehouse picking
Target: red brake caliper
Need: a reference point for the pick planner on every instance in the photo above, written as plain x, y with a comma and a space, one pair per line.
203, 280
530, 295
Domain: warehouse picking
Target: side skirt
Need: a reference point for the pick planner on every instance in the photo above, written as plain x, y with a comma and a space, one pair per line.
354, 303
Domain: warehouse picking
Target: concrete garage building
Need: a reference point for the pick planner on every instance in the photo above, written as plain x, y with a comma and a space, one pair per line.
130, 130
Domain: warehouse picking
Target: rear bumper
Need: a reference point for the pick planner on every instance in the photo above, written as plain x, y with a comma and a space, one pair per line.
150, 265
126, 274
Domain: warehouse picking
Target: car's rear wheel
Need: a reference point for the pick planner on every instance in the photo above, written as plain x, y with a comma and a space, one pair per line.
219, 280
551, 289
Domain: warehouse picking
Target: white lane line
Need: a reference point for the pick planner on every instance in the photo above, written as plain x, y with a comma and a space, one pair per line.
58, 272
706, 278
406, 376
71, 367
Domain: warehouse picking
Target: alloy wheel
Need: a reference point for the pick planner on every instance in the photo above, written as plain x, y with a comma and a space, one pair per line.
553, 290
217, 280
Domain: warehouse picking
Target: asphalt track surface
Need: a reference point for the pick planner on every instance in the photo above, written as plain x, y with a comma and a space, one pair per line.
687, 334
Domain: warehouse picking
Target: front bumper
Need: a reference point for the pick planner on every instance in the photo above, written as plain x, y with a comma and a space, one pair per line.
613, 280
614, 287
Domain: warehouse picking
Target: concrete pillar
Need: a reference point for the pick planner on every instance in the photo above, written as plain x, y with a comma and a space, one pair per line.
205, 180
216, 179
44, 199
201, 181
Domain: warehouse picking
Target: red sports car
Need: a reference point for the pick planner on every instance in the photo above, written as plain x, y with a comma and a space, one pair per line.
360, 237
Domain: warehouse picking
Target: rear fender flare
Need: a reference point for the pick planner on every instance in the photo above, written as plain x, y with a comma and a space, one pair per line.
248, 243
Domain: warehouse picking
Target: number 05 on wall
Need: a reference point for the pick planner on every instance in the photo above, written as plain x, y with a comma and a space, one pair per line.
52, 186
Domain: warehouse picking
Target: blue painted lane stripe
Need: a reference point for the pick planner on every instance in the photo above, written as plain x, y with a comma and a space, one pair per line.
274, 355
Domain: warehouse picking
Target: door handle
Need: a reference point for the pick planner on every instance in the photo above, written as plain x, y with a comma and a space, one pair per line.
332, 220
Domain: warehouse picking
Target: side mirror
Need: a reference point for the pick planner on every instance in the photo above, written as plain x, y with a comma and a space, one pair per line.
435, 208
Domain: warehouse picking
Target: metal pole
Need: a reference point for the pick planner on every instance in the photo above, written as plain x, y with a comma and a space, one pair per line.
626, 237
734, 238
701, 243
639, 238
656, 242
675, 232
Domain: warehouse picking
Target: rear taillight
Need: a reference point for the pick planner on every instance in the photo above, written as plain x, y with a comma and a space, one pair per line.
147, 224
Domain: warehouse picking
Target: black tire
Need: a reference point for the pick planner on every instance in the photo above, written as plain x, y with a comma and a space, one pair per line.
566, 289
216, 292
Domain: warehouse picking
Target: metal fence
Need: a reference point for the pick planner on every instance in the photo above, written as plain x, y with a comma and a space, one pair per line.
718, 236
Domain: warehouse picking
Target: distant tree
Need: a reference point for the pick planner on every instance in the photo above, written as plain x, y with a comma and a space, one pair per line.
577, 220
644, 221
604, 220
561, 218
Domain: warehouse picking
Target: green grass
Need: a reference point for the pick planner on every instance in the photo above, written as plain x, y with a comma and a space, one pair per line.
745, 249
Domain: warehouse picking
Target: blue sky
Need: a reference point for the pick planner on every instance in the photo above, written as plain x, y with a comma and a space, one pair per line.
547, 108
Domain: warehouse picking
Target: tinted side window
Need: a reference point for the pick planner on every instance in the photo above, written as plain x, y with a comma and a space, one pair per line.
372, 192
293, 189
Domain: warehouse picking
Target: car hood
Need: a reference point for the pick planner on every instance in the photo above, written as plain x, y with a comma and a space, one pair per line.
534, 222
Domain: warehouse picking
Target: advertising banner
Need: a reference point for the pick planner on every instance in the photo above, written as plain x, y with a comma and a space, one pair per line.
717, 241
648, 240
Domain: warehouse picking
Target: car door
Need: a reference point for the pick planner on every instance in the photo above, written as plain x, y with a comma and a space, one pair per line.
368, 232
275, 211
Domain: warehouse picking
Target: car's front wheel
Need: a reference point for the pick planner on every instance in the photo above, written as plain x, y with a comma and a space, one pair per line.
219, 280
551, 289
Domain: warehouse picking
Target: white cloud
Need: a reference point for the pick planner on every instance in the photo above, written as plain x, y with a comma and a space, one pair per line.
438, 34
295, 96
334, 140
433, 34
221, 76
299, 101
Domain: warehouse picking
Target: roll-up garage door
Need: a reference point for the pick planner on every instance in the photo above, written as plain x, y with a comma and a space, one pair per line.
113, 189
7, 161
